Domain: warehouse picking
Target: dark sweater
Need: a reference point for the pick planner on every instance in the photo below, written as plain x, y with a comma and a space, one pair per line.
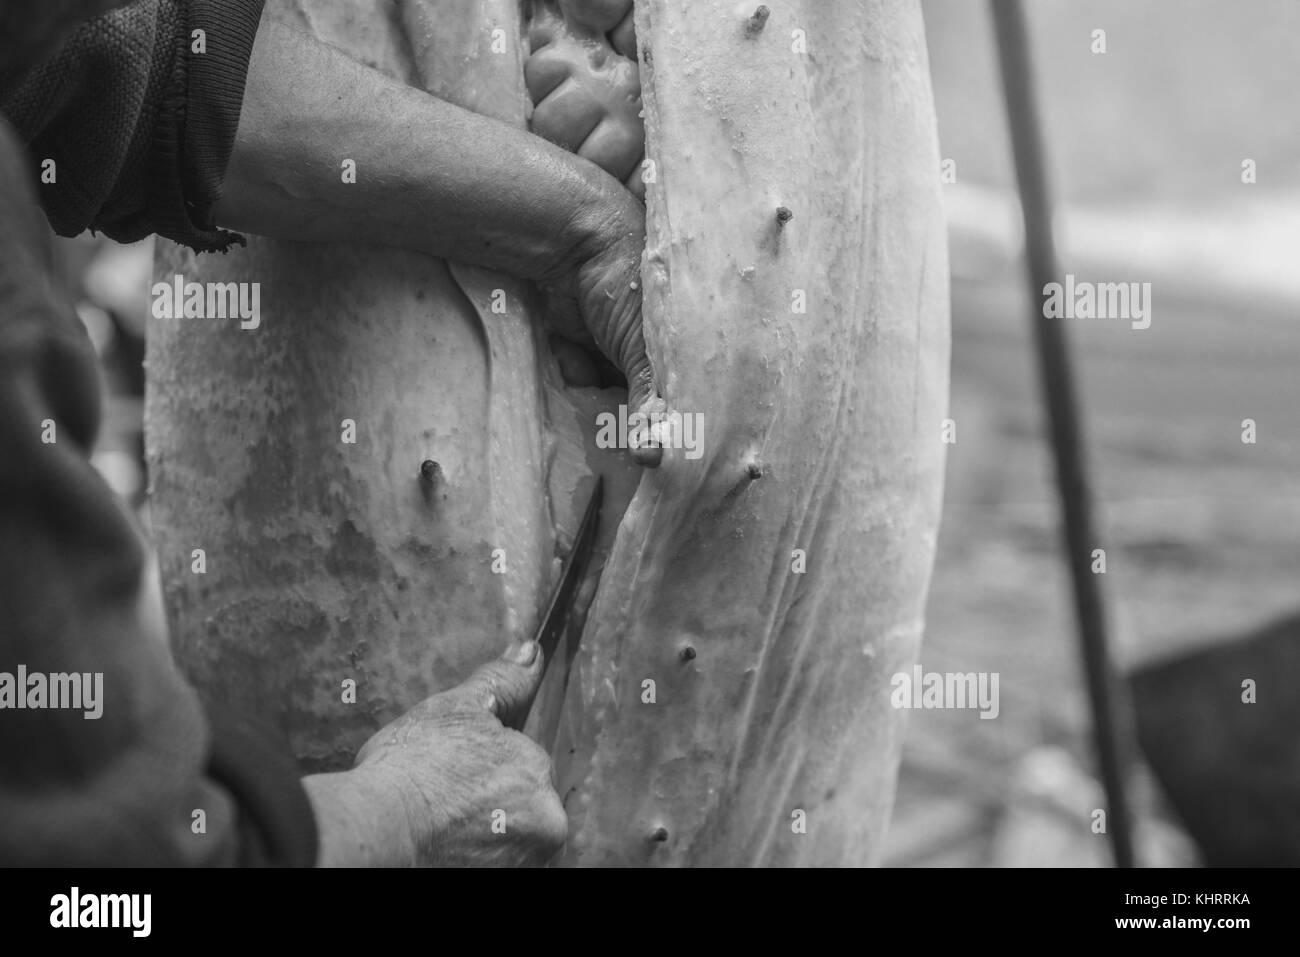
140, 126
140, 129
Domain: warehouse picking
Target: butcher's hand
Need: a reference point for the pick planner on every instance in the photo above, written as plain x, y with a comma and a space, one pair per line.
448, 783
435, 177
605, 286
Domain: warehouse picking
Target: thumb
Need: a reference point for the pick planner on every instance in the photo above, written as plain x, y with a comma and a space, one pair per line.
641, 399
507, 685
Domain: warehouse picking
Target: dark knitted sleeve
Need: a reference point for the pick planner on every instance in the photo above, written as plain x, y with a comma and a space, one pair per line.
132, 122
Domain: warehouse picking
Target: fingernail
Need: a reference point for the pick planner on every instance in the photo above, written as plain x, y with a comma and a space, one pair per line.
524, 653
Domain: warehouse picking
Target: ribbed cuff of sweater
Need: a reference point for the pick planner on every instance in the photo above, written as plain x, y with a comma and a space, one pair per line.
195, 132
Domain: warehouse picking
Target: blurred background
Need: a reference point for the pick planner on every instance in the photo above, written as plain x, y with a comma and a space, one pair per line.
1145, 146
1145, 143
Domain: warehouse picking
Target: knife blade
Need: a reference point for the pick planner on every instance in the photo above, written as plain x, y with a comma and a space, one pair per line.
566, 589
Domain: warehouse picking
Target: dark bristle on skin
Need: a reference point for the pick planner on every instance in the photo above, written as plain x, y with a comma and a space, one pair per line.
754, 470
784, 214
758, 21
429, 471
660, 835
688, 653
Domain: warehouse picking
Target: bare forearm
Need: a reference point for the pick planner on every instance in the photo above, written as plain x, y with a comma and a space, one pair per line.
429, 175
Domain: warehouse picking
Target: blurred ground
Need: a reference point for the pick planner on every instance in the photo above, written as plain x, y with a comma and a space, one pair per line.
1146, 144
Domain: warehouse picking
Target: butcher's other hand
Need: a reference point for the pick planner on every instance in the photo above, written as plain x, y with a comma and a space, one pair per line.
581, 73
606, 289
450, 783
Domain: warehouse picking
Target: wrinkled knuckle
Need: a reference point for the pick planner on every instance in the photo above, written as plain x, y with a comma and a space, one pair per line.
468, 702
491, 677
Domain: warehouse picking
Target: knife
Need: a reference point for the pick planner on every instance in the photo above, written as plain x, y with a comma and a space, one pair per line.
566, 589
